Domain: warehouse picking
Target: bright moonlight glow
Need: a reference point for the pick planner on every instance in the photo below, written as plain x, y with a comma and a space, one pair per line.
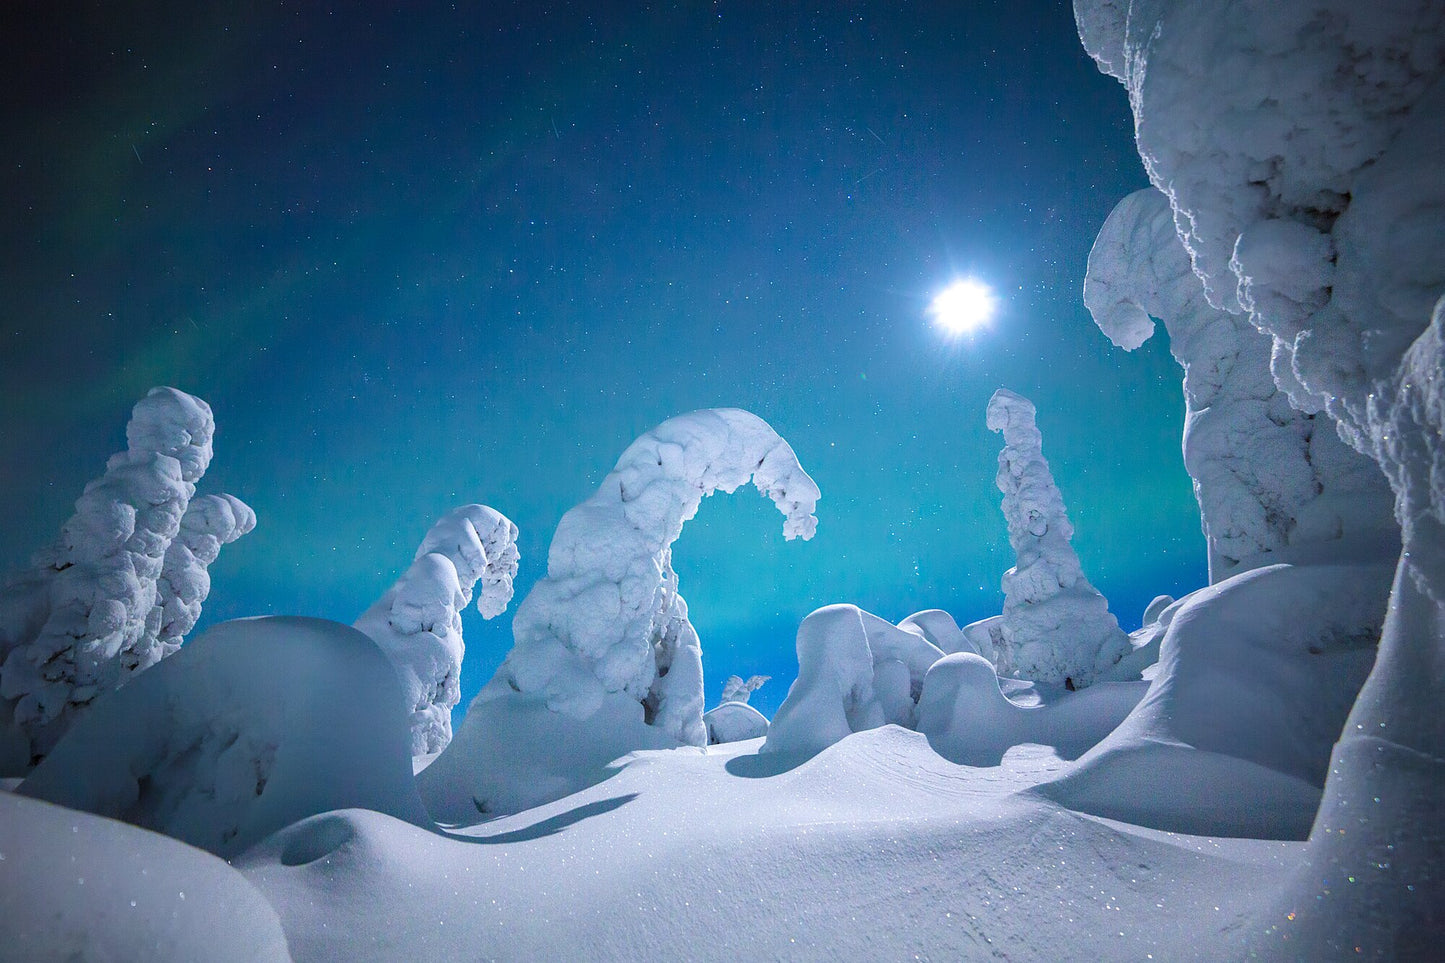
963, 307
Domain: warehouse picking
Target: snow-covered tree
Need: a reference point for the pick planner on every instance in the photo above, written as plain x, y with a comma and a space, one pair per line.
1273, 483
1300, 146
736, 690
1056, 626
418, 621
608, 617
605, 660
108, 599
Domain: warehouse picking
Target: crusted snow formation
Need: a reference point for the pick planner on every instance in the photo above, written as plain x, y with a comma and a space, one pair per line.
1269, 479
418, 621
938, 627
1056, 626
110, 597
736, 690
608, 616
252, 726
856, 671
1302, 148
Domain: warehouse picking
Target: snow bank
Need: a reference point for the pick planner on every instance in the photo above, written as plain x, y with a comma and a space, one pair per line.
734, 722
603, 642
256, 724
1056, 626
1302, 147
418, 622
1269, 479
856, 671
77, 887
968, 719
110, 598
1255, 678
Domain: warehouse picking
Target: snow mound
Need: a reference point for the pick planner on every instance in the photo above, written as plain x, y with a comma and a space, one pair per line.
123, 583
1056, 626
604, 639
968, 720
1268, 479
256, 724
734, 722
418, 622
77, 887
939, 628
856, 671
1256, 675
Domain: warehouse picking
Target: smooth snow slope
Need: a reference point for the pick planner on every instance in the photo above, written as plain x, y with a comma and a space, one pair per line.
876, 848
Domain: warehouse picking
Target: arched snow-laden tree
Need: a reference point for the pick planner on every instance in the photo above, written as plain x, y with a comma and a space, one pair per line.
418, 622
1302, 149
1056, 626
605, 660
1274, 484
91, 612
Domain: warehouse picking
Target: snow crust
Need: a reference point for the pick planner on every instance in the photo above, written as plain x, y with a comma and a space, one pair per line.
1272, 482
1302, 147
252, 726
418, 621
125, 580
1056, 626
856, 671
603, 642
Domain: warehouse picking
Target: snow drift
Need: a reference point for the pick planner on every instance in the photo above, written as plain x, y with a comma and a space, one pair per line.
256, 724
605, 660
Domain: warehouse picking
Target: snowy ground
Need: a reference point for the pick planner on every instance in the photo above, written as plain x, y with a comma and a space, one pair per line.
877, 848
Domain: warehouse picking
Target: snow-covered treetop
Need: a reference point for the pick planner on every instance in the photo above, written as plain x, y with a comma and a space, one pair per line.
171, 422
736, 690
481, 543
1033, 495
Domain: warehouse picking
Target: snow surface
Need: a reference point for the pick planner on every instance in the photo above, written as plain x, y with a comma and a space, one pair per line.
418, 621
875, 848
79, 887
1056, 626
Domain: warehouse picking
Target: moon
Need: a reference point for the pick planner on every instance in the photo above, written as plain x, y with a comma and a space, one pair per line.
963, 307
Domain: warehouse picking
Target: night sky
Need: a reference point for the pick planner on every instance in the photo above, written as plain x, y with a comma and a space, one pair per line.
467, 252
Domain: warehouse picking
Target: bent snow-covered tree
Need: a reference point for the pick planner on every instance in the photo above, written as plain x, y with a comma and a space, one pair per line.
1308, 185
418, 622
605, 660
1274, 484
608, 617
110, 597
1056, 626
